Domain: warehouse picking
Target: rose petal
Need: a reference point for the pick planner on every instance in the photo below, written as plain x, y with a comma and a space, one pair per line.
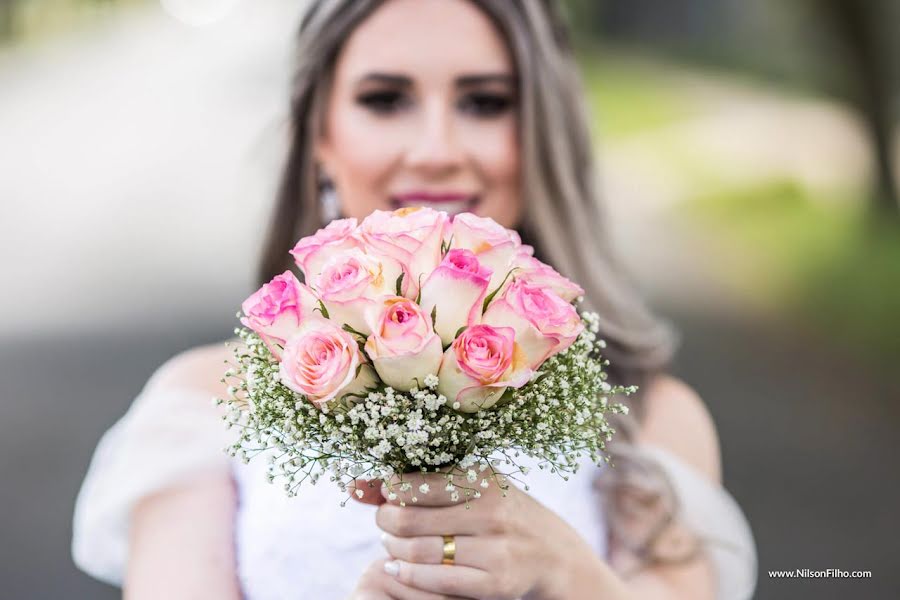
406, 371
536, 345
457, 290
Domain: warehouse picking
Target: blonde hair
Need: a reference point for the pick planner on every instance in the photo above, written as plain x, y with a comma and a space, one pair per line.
563, 217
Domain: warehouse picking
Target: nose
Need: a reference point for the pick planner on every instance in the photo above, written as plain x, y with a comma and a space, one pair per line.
436, 149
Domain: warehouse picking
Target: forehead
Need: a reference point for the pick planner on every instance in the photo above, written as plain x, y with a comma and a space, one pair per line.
425, 37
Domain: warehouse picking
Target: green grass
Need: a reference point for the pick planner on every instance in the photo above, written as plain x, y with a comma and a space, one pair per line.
29, 21
628, 95
827, 263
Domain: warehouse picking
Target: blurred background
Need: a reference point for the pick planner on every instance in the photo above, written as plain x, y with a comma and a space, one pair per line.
749, 153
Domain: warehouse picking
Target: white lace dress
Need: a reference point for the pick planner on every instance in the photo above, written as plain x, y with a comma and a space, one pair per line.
308, 546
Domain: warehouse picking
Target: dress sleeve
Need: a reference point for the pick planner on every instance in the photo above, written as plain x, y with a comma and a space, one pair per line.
166, 437
716, 519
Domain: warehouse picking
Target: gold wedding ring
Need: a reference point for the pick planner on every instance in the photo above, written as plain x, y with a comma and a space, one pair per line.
449, 550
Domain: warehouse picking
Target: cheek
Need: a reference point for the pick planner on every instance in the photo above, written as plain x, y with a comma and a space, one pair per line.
497, 151
494, 149
362, 159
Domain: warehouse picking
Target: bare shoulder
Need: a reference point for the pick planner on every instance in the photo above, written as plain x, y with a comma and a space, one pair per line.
677, 419
200, 368
186, 530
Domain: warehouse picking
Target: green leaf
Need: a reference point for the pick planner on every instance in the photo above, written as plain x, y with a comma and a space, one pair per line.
400, 284
433, 317
459, 331
321, 308
348, 328
419, 293
345, 399
494, 293
445, 246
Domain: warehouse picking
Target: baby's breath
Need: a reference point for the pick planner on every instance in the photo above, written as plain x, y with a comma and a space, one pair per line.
558, 418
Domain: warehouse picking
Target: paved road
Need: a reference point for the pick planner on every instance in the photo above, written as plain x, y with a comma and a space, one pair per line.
807, 438
142, 150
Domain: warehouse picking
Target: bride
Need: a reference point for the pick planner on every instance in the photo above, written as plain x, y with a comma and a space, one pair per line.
460, 105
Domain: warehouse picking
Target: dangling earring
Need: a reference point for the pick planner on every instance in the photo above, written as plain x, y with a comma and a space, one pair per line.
329, 207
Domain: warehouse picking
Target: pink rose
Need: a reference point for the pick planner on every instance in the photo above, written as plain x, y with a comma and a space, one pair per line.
537, 273
494, 245
276, 310
544, 323
411, 236
351, 281
311, 252
480, 364
455, 290
403, 345
525, 250
321, 362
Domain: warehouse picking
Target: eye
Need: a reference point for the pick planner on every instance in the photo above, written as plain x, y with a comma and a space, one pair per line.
383, 102
484, 104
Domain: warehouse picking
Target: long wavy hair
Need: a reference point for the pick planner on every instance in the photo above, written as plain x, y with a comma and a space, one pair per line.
563, 217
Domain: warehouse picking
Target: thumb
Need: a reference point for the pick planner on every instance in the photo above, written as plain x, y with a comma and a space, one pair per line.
371, 491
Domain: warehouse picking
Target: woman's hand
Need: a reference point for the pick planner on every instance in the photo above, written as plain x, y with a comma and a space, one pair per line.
376, 584
506, 547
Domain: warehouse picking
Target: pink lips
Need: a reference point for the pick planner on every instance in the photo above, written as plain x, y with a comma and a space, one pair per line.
435, 197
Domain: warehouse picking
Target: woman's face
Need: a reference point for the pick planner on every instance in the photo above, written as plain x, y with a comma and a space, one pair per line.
423, 111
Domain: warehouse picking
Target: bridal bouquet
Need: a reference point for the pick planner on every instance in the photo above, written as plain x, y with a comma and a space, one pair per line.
418, 343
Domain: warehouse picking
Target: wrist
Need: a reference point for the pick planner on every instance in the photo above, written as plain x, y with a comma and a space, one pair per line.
577, 573
564, 562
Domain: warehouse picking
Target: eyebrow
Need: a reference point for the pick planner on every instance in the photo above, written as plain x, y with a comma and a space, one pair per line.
463, 81
389, 78
469, 80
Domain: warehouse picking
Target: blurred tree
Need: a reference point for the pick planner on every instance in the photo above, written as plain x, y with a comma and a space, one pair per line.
864, 29
845, 48
7, 19
21, 18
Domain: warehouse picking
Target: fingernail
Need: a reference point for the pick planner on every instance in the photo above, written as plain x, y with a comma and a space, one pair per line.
392, 567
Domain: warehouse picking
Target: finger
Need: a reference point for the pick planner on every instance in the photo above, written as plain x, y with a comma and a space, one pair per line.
371, 491
377, 584
428, 489
370, 595
442, 579
373, 584
429, 549
415, 521
401, 591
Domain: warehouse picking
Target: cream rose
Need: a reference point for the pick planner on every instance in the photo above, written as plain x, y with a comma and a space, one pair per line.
312, 252
351, 282
455, 291
540, 274
544, 323
480, 364
494, 245
411, 236
403, 346
323, 362
276, 310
